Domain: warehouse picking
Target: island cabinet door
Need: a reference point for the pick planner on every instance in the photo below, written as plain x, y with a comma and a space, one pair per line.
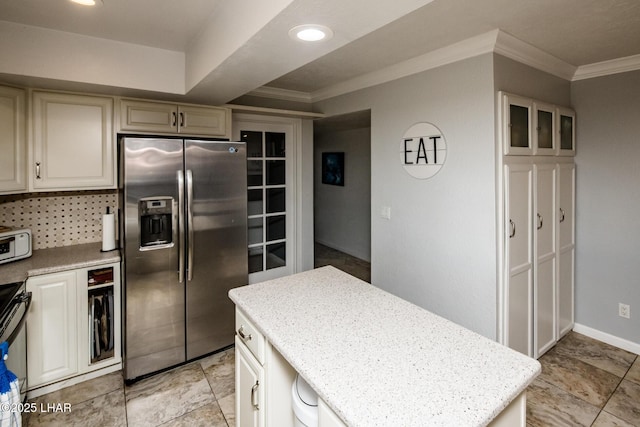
250, 399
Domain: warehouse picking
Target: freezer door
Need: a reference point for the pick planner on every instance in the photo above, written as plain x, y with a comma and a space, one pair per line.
154, 324
215, 174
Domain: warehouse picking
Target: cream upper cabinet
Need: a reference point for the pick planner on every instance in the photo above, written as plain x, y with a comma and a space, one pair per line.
72, 142
162, 117
13, 172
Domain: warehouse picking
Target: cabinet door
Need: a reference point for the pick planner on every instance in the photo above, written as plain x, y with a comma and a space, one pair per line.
517, 129
566, 131
210, 121
250, 399
52, 328
13, 172
544, 125
566, 246
72, 142
141, 116
519, 258
545, 258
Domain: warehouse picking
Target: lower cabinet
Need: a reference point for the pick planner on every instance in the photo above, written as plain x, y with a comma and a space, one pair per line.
263, 383
250, 386
73, 326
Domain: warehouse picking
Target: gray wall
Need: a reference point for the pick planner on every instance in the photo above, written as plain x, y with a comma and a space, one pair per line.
608, 202
438, 250
343, 214
519, 79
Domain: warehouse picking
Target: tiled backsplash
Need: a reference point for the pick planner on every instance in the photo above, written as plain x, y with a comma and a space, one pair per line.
58, 219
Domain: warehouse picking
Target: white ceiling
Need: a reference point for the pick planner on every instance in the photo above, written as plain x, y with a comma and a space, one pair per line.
233, 47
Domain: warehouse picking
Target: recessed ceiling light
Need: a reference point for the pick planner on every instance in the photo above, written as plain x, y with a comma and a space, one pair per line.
310, 33
88, 2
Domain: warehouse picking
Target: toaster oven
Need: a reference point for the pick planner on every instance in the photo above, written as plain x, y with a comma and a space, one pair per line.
15, 244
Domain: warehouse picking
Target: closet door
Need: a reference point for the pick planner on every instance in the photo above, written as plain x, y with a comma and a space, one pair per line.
566, 246
545, 258
519, 262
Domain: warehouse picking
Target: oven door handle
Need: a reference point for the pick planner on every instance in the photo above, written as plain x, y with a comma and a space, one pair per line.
24, 297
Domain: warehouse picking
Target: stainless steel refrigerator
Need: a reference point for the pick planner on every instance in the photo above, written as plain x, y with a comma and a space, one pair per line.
184, 241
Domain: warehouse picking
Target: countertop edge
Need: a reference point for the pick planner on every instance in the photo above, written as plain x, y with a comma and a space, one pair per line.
55, 260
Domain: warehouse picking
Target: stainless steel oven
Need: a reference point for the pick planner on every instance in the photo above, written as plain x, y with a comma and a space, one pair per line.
14, 306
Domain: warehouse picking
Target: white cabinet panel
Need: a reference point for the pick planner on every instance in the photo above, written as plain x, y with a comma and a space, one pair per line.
519, 312
250, 399
13, 161
72, 142
544, 272
52, 328
519, 252
566, 248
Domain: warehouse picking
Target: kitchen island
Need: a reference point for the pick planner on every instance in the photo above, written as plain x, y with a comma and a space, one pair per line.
375, 359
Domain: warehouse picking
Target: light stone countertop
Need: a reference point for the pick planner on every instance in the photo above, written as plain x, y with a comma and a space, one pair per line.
53, 260
378, 360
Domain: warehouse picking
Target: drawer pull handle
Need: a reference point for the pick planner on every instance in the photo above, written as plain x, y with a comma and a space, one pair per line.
561, 215
254, 389
512, 233
245, 337
539, 221
38, 170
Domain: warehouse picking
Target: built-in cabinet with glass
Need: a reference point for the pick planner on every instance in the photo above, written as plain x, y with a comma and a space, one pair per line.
73, 326
532, 127
538, 182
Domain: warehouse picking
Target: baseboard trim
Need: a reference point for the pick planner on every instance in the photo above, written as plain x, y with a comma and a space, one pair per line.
607, 338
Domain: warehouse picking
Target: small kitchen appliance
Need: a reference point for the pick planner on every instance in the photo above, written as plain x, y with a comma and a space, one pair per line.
15, 244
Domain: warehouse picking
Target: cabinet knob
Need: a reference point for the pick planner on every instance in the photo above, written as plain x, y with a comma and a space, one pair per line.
244, 336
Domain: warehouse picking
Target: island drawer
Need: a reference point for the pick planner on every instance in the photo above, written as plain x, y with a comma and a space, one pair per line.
249, 335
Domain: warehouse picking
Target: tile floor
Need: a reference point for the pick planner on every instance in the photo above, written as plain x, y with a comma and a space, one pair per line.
201, 393
325, 255
583, 382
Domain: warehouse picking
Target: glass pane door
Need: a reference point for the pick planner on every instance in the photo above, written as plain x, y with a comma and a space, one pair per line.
267, 199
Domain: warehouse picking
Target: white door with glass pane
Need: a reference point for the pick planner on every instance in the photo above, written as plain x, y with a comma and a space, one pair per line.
270, 195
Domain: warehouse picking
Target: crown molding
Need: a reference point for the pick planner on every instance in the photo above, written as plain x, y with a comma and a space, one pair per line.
511, 47
605, 68
496, 41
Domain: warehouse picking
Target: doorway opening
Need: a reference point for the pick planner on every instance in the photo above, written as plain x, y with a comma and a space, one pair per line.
342, 193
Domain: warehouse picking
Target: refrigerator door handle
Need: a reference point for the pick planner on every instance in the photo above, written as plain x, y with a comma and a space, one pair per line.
180, 179
190, 225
